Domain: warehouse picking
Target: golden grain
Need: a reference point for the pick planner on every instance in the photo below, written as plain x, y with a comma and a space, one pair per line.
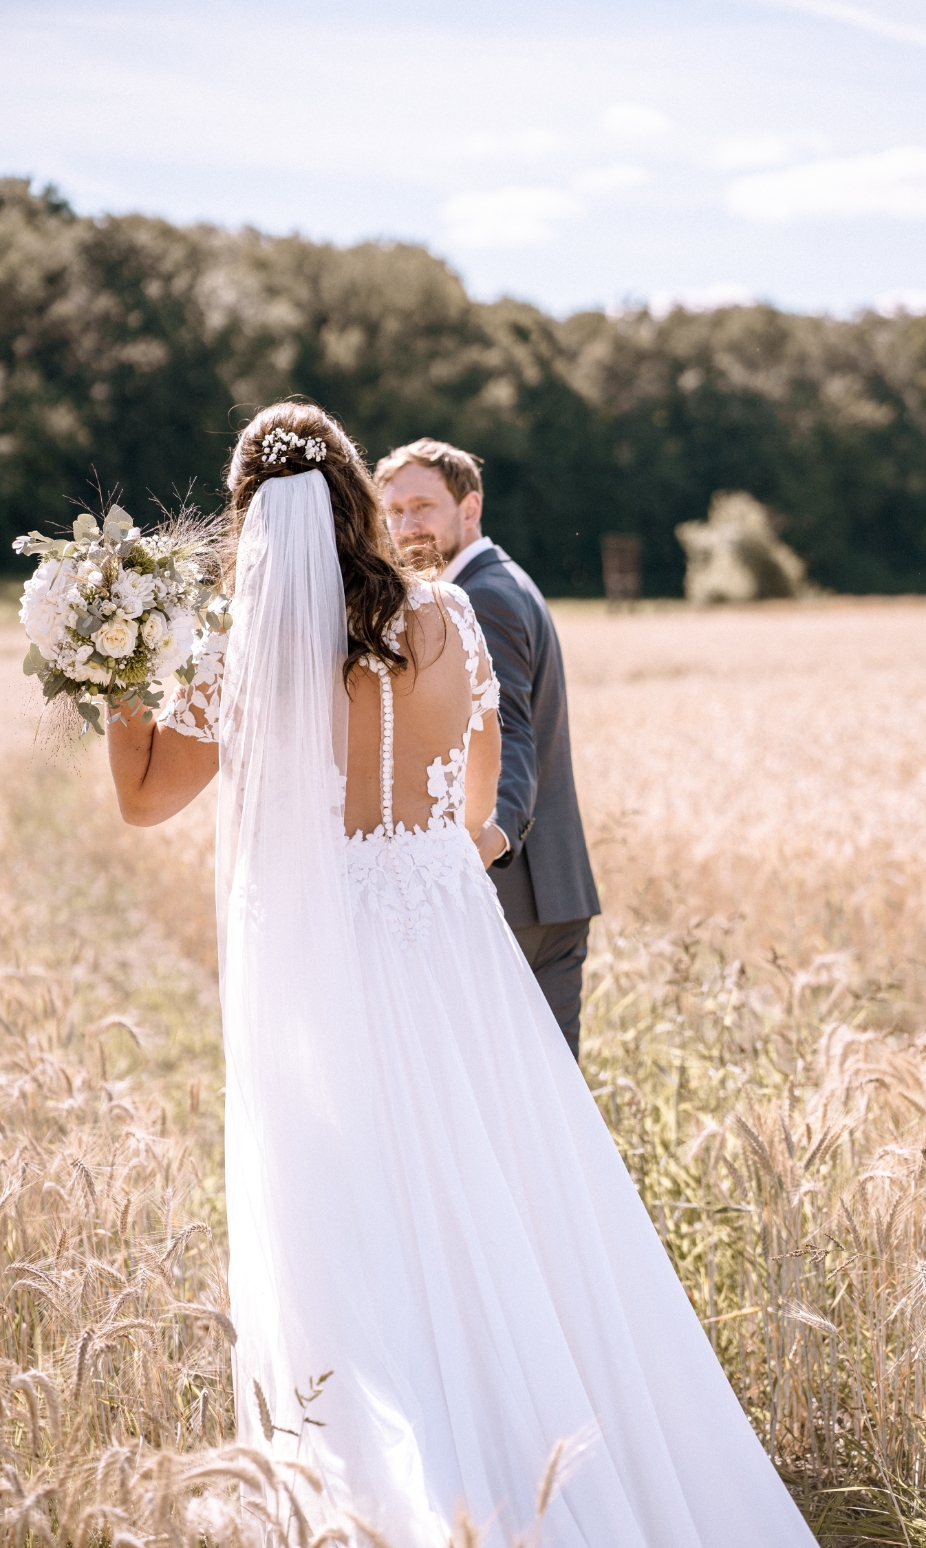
754, 785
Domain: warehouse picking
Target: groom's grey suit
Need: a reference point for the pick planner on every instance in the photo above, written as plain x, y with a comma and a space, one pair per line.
544, 881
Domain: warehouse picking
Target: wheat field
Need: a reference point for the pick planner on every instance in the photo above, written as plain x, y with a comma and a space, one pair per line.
753, 786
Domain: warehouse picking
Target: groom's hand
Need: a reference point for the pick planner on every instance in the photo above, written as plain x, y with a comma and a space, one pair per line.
491, 843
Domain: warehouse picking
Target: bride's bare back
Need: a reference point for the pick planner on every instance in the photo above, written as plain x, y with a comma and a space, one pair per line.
434, 702
445, 739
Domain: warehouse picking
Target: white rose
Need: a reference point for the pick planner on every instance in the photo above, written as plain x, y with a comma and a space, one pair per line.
133, 592
154, 629
45, 606
117, 637
176, 645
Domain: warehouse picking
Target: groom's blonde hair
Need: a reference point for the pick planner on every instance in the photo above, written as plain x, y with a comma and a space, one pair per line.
459, 469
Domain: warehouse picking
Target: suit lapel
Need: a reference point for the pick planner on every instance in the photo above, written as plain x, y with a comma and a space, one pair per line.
480, 562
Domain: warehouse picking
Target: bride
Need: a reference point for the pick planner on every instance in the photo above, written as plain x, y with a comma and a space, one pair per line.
421, 1192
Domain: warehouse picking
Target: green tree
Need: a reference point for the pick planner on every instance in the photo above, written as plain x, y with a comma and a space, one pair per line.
136, 348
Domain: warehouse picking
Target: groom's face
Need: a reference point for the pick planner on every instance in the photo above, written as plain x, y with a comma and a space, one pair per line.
420, 509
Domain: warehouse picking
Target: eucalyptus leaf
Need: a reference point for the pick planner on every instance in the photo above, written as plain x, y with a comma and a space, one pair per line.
117, 523
35, 662
35, 543
221, 621
54, 684
85, 528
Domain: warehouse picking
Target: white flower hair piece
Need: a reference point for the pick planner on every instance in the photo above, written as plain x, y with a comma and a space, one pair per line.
277, 443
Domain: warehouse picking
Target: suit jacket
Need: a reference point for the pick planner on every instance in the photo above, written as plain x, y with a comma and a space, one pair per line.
546, 877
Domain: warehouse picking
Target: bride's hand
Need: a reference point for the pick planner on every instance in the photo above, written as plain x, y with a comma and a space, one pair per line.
491, 843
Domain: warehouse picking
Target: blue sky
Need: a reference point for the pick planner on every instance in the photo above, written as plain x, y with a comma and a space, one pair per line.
578, 154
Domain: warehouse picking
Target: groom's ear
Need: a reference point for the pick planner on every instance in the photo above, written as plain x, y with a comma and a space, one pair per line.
471, 509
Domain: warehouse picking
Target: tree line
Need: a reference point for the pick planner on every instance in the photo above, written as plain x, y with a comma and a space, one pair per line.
137, 348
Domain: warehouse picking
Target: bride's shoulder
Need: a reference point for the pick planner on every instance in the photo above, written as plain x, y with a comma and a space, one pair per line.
439, 593
419, 594
454, 603
444, 593
435, 604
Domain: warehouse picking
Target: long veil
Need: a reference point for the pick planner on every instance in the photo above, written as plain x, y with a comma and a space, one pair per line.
299, 1139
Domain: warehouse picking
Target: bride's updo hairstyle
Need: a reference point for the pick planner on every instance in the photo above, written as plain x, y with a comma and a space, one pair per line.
375, 586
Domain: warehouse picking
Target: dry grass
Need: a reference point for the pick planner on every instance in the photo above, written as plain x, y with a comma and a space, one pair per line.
754, 789
766, 765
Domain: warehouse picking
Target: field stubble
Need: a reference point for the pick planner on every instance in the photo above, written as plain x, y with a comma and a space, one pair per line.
754, 789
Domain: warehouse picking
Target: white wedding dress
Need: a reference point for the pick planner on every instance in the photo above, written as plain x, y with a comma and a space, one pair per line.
422, 1195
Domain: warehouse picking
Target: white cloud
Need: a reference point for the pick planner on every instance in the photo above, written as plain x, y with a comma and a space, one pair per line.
759, 150
529, 217
605, 180
700, 298
630, 122
860, 17
890, 302
507, 217
891, 182
526, 145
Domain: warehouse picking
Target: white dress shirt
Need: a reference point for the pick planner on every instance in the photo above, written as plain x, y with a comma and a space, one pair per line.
461, 560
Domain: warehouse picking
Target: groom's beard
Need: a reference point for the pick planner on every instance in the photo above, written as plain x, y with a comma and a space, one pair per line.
421, 551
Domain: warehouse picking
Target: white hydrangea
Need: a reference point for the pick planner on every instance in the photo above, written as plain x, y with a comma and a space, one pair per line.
45, 604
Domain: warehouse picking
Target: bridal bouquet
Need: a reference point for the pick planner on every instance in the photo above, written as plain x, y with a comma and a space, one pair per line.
112, 610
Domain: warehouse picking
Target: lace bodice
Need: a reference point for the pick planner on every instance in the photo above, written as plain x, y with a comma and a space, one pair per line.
194, 709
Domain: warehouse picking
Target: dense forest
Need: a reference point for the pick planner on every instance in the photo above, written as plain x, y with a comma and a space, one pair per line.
135, 348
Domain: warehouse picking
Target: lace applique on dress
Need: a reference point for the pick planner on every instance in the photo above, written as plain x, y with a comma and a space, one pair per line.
418, 595
404, 874
204, 693
447, 780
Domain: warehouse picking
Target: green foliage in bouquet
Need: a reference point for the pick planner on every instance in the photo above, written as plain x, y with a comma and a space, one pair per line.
111, 611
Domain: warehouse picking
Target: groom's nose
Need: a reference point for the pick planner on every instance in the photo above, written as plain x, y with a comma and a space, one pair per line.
406, 523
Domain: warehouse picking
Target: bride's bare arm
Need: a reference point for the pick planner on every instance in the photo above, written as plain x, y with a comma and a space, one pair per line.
482, 770
156, 771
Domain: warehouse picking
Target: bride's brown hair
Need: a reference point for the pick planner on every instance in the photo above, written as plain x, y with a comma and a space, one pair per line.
375, 585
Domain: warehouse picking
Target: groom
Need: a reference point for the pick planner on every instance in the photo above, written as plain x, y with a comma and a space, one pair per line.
534, 844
